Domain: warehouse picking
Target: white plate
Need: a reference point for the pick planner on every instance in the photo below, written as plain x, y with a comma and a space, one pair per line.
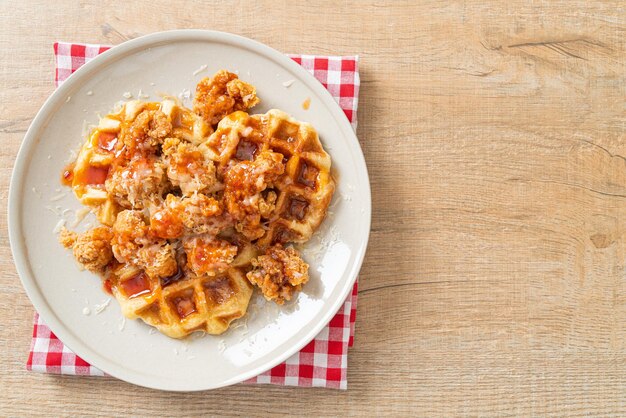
165, 62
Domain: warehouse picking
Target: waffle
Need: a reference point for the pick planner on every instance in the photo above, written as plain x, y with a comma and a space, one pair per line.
180, 307
97, 157
303, 191
196, 205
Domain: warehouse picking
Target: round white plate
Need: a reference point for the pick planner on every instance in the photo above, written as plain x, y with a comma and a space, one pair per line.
165, 63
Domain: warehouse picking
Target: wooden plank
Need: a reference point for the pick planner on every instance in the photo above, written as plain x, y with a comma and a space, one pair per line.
494, 280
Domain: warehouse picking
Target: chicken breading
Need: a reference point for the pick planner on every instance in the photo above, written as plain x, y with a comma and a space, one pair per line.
221, 95
279, 273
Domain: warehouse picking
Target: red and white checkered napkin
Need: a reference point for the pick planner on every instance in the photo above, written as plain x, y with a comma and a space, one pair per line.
324, 361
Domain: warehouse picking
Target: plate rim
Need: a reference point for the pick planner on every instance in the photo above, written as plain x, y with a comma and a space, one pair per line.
47, 110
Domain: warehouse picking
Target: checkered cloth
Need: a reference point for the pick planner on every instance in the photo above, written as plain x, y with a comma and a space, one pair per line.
324, 361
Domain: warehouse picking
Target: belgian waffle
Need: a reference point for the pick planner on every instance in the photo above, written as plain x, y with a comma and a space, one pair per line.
182, 306
87, 175
198, 204
305, 188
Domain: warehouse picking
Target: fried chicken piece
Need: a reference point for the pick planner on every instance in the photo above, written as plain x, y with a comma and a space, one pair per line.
197, 214
221, 95
158, 259
67, 238
279, 273
243, 197
92, 248
267, 204
134, 245
138, 182
243, 93
188, 168
208, 255
146, 132
129, 230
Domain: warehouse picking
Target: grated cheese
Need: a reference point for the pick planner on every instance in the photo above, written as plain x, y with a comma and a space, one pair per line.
57, 197
58, 226
199, 70
80, 215
102, 306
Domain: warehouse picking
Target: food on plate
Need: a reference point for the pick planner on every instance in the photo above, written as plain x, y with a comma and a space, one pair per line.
199, 206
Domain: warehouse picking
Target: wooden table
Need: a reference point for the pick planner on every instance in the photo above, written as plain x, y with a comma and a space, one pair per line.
495, 137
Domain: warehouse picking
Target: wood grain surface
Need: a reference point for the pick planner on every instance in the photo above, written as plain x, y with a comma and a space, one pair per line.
494, 133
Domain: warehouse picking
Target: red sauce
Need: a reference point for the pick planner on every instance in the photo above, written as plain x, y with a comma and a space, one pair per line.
108, 286
307, 175
166, 224
68, 174
219, 290
189, 161
136, 286
173, 278
184, 306
176, 119
96, 175
282, 236
297, 208
246, 150
107, 141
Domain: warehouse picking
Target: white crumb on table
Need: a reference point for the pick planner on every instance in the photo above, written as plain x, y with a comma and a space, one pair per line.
57, 197
86, 311
200, 69
68, 99
127, 95
90, 93
152, 84
221, 346
122, 324
102, 306
288, 83
49, 156
142, 95
152, 331
175, 351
